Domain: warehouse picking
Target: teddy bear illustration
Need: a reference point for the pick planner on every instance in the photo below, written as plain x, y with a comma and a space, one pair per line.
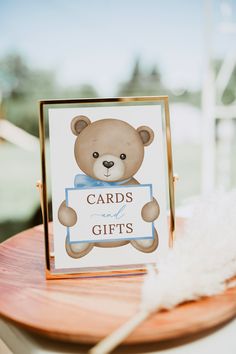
109, 152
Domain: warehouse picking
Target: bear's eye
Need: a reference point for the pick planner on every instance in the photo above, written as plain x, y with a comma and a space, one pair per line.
95, 155
122, 156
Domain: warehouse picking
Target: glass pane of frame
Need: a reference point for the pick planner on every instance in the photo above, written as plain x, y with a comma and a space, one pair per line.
107, 184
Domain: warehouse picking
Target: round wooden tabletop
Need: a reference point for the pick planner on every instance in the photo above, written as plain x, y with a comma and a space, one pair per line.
86, 310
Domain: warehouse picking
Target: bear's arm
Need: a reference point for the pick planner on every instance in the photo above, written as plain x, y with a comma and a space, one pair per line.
151, 211
66, 215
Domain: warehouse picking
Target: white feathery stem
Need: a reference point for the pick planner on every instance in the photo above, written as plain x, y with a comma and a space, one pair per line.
202, 263
109, 343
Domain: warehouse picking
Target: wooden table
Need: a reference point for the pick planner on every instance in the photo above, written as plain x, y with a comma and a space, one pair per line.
23, 342
85, 310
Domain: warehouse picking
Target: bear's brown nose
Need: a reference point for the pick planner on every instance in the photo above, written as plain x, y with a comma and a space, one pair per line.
108, 164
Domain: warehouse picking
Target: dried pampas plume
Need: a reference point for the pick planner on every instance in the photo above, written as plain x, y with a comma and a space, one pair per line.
202, 259
201, 264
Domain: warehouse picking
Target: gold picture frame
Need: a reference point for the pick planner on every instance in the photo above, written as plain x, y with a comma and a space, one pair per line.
42, 185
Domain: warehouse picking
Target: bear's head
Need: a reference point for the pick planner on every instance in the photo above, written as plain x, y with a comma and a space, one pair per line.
109, 149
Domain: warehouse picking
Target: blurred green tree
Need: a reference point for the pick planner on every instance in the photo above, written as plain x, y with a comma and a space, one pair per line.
142, 83
149, 82
21, 87
13, 76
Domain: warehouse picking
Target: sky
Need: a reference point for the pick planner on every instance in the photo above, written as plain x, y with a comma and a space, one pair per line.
97, 41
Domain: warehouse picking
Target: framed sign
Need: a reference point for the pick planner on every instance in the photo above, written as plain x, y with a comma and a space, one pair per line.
107, 168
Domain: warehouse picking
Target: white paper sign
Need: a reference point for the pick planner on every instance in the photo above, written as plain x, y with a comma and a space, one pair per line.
64, 168
109, 213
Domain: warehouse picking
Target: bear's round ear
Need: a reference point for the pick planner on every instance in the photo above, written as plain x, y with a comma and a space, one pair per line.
146, 134
79, 123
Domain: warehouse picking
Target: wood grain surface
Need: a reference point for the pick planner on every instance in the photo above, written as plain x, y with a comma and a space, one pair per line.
86, 310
